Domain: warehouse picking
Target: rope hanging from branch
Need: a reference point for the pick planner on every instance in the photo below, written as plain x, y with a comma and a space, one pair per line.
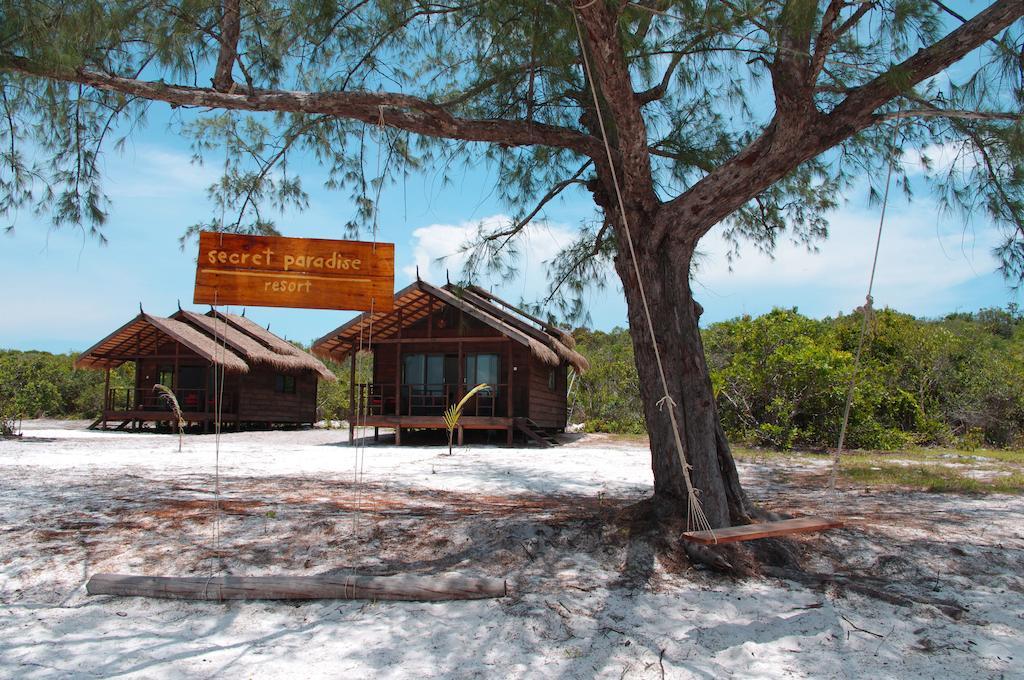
866, 314
361, 411
695, 513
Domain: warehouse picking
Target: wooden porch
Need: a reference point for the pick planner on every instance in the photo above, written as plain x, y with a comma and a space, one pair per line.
131, 407
421, 406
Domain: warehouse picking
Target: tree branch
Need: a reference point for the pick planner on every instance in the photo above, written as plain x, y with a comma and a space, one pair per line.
790, 69
519, 225
659, 90
230, 29
552, 193
828, 35
627, 126
956, 15
950, 113
861, 104
398, 110
780, 148
599, 240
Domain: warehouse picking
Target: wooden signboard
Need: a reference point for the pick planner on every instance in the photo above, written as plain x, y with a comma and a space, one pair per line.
273, 271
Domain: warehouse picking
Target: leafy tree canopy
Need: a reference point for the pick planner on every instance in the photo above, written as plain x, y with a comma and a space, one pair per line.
690, 91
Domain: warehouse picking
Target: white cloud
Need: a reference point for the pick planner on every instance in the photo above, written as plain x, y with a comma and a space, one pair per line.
436, 249
941, 158
155, 172
921, 261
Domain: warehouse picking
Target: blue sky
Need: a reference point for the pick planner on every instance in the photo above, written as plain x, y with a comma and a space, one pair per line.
64, 291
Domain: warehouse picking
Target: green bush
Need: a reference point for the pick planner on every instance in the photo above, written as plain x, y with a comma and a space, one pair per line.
781, 379
36, 384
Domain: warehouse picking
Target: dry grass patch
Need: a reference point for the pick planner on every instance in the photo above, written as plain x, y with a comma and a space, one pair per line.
936, 478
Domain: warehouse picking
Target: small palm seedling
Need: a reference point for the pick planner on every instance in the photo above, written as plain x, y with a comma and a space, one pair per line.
454, 412
167, 396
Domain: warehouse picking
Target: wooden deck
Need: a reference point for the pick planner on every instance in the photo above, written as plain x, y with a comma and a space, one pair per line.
437, 422
150, 416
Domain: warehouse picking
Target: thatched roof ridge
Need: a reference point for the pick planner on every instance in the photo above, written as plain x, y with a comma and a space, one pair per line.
547, 335
116, 348
562, 335
228, 341
199, 343
277, 344
93, 357
226, 332
328, 345
537, 348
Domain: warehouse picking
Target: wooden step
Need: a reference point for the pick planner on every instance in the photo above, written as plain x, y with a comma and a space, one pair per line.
524, 426
750, 532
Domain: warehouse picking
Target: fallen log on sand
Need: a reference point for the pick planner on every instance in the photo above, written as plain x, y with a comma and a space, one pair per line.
218, 588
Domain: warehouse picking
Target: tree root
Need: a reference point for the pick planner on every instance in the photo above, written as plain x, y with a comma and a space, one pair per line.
872, 587
702, 555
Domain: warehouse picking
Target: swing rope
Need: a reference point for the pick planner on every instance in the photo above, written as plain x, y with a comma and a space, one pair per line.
865, 314
695, 513
218, 384
362, 410
362, 413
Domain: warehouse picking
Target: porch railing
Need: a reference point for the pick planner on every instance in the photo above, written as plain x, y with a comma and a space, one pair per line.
380, 399
146, 399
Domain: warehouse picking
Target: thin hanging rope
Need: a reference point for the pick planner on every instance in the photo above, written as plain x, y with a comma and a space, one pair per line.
366, 408
381, 131
695, 513
362, 410
216, 436
362, 416
217, 382
866, 313
357, 410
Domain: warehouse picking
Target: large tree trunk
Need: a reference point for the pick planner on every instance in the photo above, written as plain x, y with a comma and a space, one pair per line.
675, 315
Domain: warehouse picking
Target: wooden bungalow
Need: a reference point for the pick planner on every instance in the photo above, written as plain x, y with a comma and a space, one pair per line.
440, 342
265, 379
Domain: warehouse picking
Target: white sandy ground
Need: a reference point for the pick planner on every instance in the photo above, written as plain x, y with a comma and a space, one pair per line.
586, 601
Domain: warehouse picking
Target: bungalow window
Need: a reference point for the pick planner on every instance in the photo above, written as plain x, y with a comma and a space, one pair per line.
552, 379
481, 368
425, 372
165, 376
284, 384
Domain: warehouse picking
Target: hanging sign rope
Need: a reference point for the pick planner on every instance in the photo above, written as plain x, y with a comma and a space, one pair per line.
274, 271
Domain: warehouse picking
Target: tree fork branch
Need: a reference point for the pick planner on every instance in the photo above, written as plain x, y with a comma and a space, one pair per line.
771, 156
551, 195
659, 90
600, 30
927, 62
830, 33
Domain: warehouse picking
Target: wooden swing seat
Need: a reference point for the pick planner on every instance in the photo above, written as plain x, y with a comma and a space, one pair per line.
750, 532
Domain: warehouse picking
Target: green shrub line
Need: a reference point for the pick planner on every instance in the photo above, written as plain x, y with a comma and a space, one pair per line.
40, 384
781, 379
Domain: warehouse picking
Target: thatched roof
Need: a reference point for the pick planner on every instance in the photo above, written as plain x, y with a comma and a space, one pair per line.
143, 334
552, 345
253, 343
225, 340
